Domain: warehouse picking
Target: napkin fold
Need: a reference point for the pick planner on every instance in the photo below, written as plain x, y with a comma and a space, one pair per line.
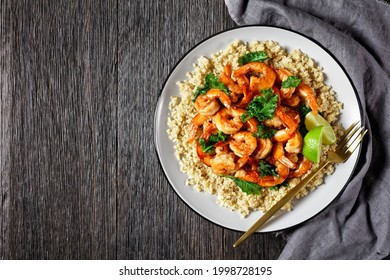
357, 224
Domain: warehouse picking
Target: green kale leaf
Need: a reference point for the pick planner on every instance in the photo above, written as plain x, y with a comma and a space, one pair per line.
246, 187
211, 81
208, 146
262, 107
266, 169
253, 57
291, 81
264, 132
277, 187
303, 111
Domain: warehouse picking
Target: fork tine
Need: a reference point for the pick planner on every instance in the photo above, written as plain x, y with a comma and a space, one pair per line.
356, 143
351, 139
347, 135
350, 128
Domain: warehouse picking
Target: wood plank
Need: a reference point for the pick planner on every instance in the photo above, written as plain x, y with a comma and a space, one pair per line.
5, 105
63, 130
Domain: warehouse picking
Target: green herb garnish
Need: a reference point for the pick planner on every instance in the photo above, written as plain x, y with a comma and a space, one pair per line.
302, 129
266, 169
291, 81
264, 132
211, 81
208, 146
262, 107
253, 57
277, 187
245, 186
303, 111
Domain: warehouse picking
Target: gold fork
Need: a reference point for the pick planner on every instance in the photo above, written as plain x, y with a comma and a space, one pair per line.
353, 136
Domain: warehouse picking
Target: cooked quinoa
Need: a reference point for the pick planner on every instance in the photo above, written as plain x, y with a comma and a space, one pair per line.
182, 111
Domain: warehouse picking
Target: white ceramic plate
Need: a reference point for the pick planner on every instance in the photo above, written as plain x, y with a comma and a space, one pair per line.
205, 204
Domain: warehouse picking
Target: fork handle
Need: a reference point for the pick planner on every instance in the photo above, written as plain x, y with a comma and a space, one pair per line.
285, 199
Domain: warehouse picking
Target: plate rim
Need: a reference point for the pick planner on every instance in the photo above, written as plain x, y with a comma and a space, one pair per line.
244, 27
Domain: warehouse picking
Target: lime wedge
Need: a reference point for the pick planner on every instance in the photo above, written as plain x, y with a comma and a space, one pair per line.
312, 144
312, 121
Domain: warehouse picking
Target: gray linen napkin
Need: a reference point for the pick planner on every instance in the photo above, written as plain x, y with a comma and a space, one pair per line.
357, 224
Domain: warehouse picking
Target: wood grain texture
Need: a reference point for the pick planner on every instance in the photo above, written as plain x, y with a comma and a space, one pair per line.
153, 36
5, 105
80, 178
62, 131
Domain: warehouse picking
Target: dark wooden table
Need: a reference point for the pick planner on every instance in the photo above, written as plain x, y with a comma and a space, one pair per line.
80, 178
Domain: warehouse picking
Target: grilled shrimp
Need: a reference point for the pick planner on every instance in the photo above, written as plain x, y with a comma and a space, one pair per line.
278, 155
208, 128
293, 101
263, 76
229, 120
303, 167
264, 148
307, 94
204, 157
270, 181
275, 122
208, 104
225, 163
227, 80
290, 119
239, 89
248, 175
243, 143
283, 135
196, 122
282, 75
295, 143
247, 96
251, 175
251, 124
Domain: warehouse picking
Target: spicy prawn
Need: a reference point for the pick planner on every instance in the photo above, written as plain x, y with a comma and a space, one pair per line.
208, 104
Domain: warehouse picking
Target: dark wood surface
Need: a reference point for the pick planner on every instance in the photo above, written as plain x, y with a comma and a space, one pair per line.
80, 178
